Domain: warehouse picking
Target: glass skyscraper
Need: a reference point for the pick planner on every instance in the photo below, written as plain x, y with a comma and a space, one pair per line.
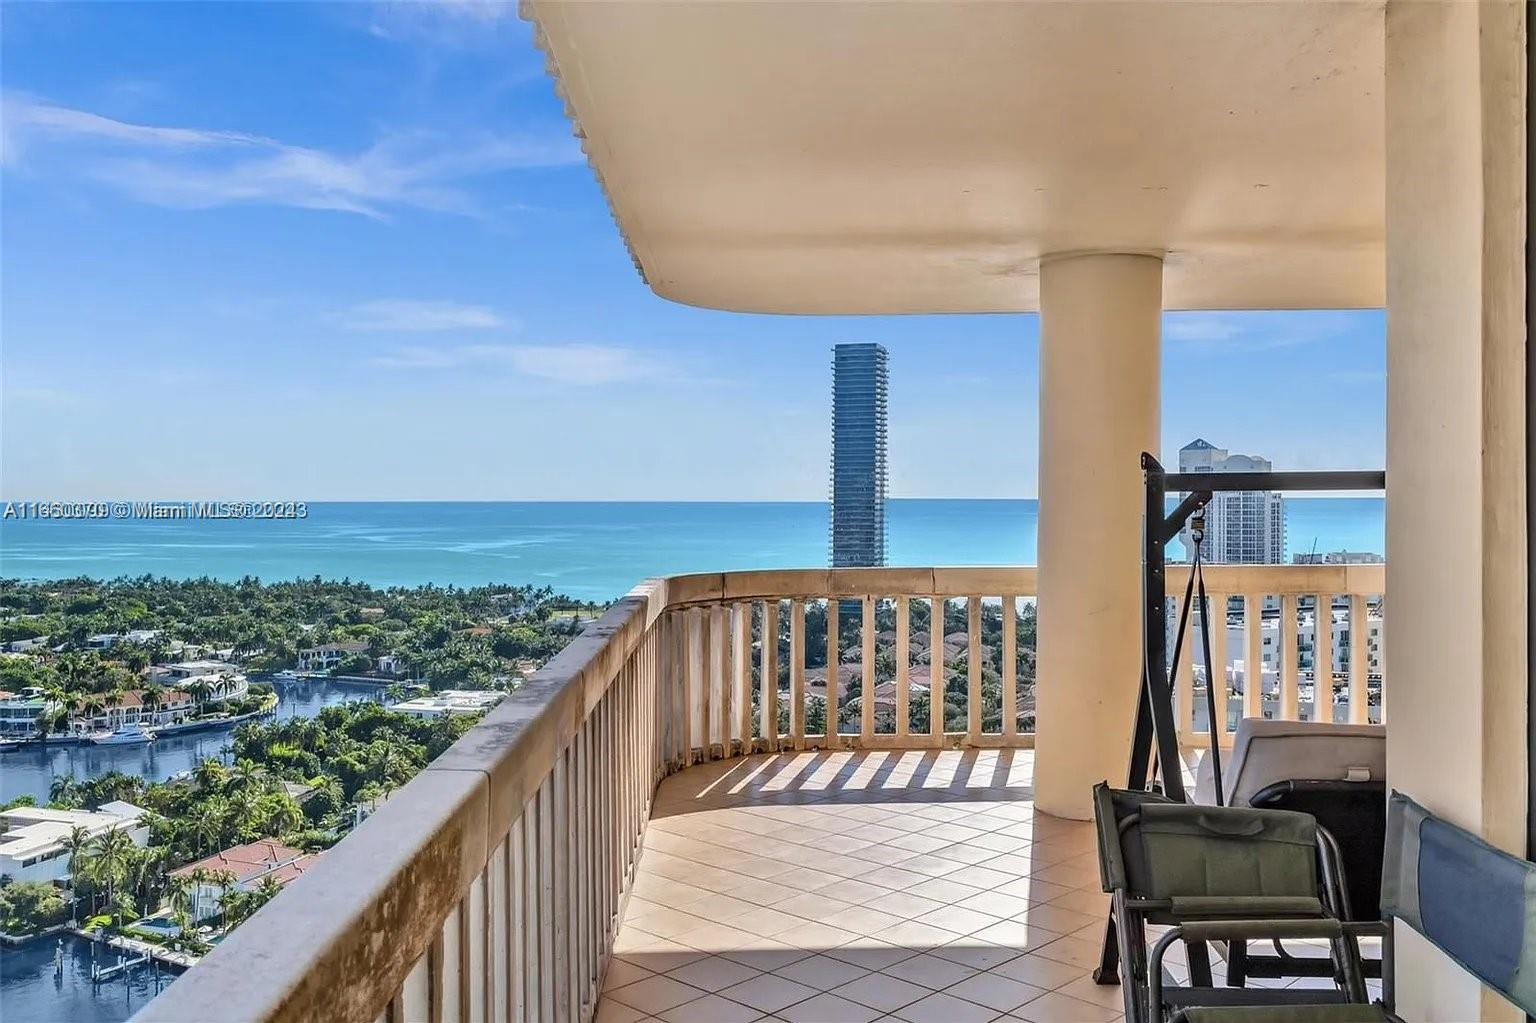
860, 378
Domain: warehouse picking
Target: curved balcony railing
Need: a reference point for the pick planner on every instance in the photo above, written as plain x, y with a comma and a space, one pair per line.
489, 888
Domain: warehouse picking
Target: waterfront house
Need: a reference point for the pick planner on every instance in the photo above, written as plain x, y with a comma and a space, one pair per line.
129, 709
391, 664
107, 640
250, 864
19, 713
449, 702
638, 831
329, 655
33, 840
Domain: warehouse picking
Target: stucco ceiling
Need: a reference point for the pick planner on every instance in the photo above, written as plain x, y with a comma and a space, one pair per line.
904, 157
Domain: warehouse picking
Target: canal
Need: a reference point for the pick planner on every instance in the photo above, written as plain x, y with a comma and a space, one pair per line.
30, 770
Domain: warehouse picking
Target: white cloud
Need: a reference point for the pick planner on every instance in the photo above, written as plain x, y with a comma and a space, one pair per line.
1259, 330
581, 364
407, 315
195, 168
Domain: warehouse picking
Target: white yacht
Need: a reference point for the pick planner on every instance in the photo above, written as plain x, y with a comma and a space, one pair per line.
124, 736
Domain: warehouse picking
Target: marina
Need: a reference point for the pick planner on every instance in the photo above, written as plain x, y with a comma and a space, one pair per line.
29, 769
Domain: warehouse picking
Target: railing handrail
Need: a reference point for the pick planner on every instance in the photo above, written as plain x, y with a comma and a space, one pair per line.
370, 907
339, 946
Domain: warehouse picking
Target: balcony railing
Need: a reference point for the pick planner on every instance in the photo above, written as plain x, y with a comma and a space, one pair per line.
490, 887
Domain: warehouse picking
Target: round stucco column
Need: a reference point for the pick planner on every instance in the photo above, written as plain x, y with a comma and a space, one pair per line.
1100, 327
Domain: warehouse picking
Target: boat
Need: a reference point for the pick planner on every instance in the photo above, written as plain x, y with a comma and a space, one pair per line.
124, 736
286, 675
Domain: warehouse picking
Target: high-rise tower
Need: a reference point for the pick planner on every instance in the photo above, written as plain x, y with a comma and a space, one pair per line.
1242, 528
860, 378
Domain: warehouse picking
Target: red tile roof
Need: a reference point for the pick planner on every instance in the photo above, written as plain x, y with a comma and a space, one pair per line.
254, 860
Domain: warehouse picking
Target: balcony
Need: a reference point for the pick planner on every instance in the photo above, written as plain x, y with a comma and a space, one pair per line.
646, 829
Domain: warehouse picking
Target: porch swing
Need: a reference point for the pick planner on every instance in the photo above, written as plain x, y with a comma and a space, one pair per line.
1257, 842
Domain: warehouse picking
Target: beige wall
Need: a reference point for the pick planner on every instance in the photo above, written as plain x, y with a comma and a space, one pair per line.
1456, 545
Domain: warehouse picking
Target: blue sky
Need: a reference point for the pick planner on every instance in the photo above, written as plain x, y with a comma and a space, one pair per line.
312, 251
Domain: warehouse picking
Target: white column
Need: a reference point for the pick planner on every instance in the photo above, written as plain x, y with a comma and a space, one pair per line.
1100, 323
1455, 676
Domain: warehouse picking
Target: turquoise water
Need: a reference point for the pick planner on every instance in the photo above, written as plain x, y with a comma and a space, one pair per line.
589, 550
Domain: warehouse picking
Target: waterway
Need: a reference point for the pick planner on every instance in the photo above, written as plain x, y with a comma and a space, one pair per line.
30, 770
32, 992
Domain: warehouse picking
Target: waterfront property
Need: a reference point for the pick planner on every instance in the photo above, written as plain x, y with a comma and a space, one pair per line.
449, 702
1097, 163
241, 868
34, 841
133, 708
19, 713
329, 655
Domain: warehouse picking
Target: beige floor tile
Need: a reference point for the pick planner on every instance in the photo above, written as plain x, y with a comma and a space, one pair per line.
710, 1009
829, 1008
713, 973
930, 971
655, 994
942, 1008
995, 904
945, 890
958, 919
621, 971
882, 991
822, 972
1058, 1008
1041, 972
995, 991
610, 1011
770, 884
872, 955
768, 992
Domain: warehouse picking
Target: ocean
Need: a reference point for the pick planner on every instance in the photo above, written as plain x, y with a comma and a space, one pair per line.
588, 550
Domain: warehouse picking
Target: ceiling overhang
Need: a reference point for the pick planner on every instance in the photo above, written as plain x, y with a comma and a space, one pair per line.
920, 157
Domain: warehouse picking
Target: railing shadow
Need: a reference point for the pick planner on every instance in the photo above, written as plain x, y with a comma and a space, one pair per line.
849, 777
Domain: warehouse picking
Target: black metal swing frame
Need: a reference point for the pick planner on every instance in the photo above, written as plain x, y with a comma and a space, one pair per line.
1154, 738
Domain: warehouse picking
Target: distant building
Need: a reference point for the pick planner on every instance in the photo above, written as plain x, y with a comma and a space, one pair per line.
860, 379
33, 839
19, 713
1340, 558
107, 640
448, 702
328, 655
129, 709
1241, 527
250, 864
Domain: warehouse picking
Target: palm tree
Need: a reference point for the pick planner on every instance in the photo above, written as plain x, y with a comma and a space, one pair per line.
249, 776
200, 690
179, 891
112, 849
198, 878
77, 842
64, 790
153, 698
225, 881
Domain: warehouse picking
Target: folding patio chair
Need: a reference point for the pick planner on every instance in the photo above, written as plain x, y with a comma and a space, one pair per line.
1171, 863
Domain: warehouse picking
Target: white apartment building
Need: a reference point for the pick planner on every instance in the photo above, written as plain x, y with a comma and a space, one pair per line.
1241, 528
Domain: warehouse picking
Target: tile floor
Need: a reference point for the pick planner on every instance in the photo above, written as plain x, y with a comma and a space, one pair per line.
830, 887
